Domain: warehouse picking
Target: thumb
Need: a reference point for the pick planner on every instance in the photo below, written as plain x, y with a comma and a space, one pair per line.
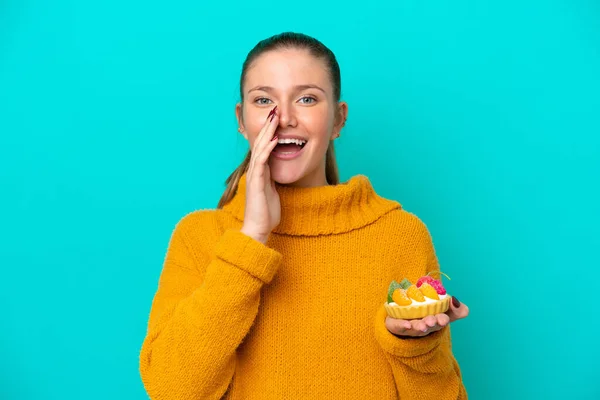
457, 310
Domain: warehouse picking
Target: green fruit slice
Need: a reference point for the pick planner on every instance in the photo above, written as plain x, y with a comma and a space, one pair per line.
405, 284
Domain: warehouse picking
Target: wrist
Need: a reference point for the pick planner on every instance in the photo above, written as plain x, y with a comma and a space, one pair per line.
256, 236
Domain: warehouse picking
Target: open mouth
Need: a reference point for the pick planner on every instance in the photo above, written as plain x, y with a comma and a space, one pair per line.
289, 147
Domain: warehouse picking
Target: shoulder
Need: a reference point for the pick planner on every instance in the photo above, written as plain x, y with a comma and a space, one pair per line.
203, 226
406, 224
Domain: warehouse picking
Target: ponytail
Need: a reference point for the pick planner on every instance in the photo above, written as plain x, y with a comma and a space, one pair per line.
233, 181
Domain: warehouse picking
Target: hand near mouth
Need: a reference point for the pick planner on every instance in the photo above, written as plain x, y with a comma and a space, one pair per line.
263, 207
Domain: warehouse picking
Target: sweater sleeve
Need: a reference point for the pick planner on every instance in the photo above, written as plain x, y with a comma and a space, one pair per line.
424, 368
201, 313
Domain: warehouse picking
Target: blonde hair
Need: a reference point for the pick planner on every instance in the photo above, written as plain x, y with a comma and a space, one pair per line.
232, 182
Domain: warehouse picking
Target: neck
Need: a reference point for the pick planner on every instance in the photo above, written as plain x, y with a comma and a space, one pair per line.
321, 210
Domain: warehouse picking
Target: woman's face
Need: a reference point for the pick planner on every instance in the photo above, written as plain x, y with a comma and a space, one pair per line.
299, 85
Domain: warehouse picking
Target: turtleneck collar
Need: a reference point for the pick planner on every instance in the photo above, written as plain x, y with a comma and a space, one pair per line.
322, 210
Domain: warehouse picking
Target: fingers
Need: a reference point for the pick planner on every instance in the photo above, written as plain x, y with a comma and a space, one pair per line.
457, 310
442, 319
263, 156
416, 327
263, 145
266, 133
425, 325
397, 326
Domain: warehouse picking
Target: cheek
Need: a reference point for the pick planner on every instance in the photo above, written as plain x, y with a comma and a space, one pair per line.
253, 124
256, 124
319, 123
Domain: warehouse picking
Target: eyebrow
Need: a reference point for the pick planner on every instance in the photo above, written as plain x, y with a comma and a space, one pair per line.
298, 87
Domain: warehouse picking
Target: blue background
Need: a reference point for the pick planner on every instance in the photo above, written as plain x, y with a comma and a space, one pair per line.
117, 118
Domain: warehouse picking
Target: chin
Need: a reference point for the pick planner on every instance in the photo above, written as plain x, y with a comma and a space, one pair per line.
286, 176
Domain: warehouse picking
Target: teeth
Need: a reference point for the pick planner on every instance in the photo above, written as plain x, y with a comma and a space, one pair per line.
288, 141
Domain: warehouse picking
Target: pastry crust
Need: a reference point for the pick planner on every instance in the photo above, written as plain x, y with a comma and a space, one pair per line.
416, 310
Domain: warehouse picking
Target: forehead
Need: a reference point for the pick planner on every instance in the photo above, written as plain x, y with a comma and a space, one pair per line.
287, 68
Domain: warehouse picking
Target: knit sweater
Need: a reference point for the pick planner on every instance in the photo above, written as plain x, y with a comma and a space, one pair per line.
301, 317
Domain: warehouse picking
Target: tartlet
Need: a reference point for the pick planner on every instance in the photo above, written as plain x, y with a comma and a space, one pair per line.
415, 301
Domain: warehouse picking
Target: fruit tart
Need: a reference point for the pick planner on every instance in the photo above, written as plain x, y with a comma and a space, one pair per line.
414, 301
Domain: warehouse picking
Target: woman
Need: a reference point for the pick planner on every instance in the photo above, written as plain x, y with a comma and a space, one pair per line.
279, 292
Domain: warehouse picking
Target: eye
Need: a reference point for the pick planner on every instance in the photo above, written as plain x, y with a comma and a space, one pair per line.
308, 100
262, 100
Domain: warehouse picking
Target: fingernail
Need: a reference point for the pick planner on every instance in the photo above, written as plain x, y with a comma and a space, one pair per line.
455, 302
274, 138
272, 113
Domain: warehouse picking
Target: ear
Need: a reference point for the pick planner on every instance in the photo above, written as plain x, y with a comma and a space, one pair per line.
239, 115
341, 116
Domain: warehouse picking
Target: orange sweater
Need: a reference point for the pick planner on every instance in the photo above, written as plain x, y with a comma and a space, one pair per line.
299, 318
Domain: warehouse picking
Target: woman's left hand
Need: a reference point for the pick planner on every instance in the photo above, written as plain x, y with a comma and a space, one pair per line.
429, 324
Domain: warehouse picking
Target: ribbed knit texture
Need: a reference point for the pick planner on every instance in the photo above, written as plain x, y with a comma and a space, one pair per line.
301, 317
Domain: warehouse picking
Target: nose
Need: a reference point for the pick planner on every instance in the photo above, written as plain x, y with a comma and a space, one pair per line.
287, 116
